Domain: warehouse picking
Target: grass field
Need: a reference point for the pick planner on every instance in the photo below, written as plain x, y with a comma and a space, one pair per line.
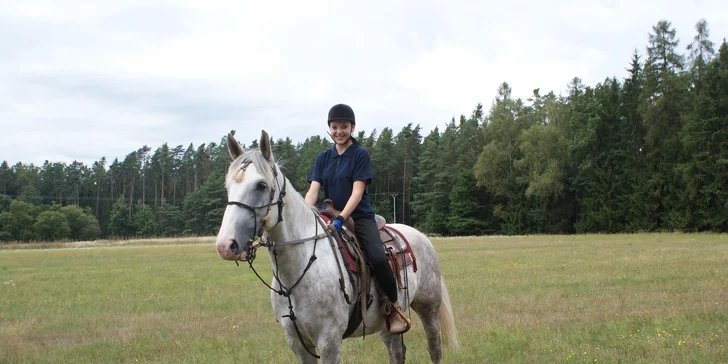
647, 298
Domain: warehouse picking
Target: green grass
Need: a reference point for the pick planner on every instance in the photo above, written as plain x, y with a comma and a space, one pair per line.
646, 298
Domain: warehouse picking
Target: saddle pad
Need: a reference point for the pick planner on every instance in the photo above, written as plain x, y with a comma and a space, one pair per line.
397, 257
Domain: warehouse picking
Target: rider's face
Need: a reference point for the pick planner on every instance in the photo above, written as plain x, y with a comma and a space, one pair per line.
341, 130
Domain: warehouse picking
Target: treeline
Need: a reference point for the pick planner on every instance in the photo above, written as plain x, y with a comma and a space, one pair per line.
644, 153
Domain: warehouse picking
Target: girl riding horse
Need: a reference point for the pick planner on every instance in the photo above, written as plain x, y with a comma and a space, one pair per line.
344, 171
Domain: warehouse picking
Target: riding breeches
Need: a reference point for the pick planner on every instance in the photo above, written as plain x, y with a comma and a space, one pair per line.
371, 244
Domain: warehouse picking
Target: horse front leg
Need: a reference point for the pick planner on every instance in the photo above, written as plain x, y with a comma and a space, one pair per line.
330, 348
301, 350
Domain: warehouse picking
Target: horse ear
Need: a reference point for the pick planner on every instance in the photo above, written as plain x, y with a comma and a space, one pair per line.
265, 145
234, 147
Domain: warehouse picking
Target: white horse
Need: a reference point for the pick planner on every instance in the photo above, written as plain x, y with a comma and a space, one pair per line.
305, 292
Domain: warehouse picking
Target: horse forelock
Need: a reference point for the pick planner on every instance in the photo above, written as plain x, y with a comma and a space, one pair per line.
236, 172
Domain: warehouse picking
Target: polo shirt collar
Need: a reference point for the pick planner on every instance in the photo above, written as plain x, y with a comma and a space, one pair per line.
349, 152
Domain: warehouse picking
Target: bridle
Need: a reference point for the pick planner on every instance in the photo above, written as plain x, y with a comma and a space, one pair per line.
249, 248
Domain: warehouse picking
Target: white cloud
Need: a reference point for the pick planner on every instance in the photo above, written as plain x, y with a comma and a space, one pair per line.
81, 80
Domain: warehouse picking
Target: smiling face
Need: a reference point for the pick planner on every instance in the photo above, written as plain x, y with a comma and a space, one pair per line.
341, 130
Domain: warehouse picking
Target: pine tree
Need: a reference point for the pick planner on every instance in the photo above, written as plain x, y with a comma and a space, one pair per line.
701, 51
705, 140
203, 208
427, 199
6, 179
408, 147
468, 214
307, 152
287, 157
664, 98
170, 221
384, 174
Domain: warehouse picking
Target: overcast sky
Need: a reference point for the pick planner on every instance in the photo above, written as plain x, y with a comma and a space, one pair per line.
84, 79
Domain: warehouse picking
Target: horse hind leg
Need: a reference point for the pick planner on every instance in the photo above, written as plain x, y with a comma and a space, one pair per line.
431, 324
435, 312
395, 347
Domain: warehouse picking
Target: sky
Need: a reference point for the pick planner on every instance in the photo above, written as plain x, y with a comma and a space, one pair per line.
81, 80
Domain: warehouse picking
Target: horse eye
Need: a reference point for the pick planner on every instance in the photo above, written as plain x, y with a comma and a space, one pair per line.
261, 186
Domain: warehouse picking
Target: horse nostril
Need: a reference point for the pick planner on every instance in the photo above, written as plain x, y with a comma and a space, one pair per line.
235, 247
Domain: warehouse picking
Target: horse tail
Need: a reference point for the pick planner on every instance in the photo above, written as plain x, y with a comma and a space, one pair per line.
447, 320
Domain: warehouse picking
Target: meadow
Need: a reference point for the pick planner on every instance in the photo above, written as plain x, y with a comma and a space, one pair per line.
643, 298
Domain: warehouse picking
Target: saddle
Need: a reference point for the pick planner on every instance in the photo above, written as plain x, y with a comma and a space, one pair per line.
398, 252
397, 257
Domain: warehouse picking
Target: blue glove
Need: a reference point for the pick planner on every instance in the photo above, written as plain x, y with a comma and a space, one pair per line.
338, 222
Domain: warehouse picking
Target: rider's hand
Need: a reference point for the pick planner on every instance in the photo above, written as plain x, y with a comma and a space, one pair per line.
337, 223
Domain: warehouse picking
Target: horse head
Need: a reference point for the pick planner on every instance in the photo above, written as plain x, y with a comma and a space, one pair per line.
255, 190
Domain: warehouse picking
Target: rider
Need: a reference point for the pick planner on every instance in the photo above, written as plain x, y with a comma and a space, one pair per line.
345, 170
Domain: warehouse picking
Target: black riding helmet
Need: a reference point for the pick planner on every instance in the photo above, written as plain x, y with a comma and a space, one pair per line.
341, 112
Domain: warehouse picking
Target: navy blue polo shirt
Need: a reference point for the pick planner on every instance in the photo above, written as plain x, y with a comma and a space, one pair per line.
337, 174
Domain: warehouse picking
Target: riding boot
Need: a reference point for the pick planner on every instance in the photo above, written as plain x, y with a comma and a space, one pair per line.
398, 323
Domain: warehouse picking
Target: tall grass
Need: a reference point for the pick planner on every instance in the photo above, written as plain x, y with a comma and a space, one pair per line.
538, 299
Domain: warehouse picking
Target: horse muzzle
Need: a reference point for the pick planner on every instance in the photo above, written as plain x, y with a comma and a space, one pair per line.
233, 250
236, 251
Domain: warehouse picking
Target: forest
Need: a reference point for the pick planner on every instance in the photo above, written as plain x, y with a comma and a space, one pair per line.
648, 152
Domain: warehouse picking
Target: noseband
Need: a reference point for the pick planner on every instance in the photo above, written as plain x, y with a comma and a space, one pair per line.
259, 232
